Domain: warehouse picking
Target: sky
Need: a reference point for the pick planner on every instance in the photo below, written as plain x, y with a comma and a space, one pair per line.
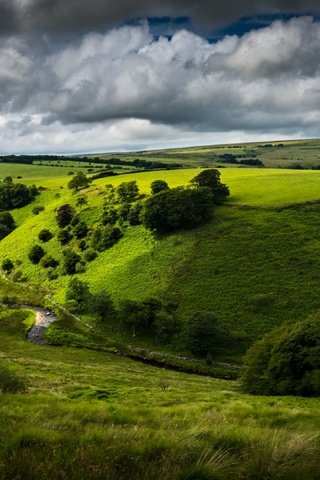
103, 75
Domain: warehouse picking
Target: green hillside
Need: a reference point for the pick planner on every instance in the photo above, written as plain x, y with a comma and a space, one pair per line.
91, 415
254, 265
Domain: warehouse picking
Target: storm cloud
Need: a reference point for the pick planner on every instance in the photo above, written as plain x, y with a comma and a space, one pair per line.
62, 15
126, 87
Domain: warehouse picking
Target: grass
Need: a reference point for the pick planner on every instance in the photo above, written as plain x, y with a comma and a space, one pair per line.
92, 415
250, 289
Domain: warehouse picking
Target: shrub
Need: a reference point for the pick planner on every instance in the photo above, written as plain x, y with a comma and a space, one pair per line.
127, 191
78, 291
10, 381
158, 186
7, 265
106, 237
37, 209
35, 254
90, 255
102, 304
80, 230
70, 261
134, 215
7, 224
64, 236
79, 181
83, 245
109, 216
45, 235
286, 361
80, 267
65, 215
52, 273
49, 261
19, 277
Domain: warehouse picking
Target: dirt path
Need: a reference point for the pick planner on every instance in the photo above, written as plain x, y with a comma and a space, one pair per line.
43, 319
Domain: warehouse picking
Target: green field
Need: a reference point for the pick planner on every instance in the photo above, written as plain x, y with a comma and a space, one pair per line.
90, 415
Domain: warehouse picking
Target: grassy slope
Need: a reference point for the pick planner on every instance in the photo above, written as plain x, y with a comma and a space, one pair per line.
150, 423
253, 266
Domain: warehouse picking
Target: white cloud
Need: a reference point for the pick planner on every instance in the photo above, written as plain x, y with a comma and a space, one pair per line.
128, 89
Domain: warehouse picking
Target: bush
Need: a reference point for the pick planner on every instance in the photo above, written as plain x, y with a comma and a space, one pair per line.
71, 259
286, 361
106, 237
10, 381
35, 254
177, 208
7, 224
52, 273
79, 181
65, 215
134, 215
109, 216
90, 255
45, 235
7, 266
102, 304
158, 186
83, 245
48, 261
80, 230
64, 236
37, 209
78, 292
127, 191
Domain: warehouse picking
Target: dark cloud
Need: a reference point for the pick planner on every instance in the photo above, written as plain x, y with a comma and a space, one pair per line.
66, 15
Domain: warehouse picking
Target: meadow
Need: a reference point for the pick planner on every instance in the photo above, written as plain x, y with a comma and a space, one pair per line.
92, 415
89, 414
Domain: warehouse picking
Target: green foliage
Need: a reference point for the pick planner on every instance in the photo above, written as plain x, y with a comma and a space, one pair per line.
10, 381
78, 291
35, 254
81, 201
127, 191
105, 237
158, 186
286, 361
45, 235
134, 215
15, 195
80, 230
70, 261
37, 209
7, 224
7, 265
79, 181
48, 261
102, 304
90, 255
65, 235
65, 215
211, 179
109, 216
177, 208
202, 334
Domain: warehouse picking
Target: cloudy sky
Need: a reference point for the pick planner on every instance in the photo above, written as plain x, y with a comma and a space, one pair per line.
105, 75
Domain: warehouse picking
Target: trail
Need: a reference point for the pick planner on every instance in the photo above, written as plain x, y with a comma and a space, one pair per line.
43, 319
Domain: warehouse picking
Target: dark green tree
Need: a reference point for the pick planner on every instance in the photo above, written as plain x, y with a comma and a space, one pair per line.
202, 334
286, 361
127, 191
158, 186
102, 304
45, 235
65, 235
35, 254
79, 181
78, 291
105, 237
7, 224
70, 261
65, 215
7, 265
211, 179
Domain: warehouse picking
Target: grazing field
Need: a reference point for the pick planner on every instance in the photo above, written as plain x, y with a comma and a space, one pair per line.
92, 415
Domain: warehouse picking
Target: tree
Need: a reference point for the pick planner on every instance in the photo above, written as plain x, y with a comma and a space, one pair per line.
109, 216
127, 191
78, 291
79, 181
48, 261
35, 254
70, 261
7, 224
211, 179
64, 215
45, 235
177, 208
134, 215
158, 186
102, 304
15, 195
203, 336
64, 236
286, 361
7, 266
105, 237
80, 230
